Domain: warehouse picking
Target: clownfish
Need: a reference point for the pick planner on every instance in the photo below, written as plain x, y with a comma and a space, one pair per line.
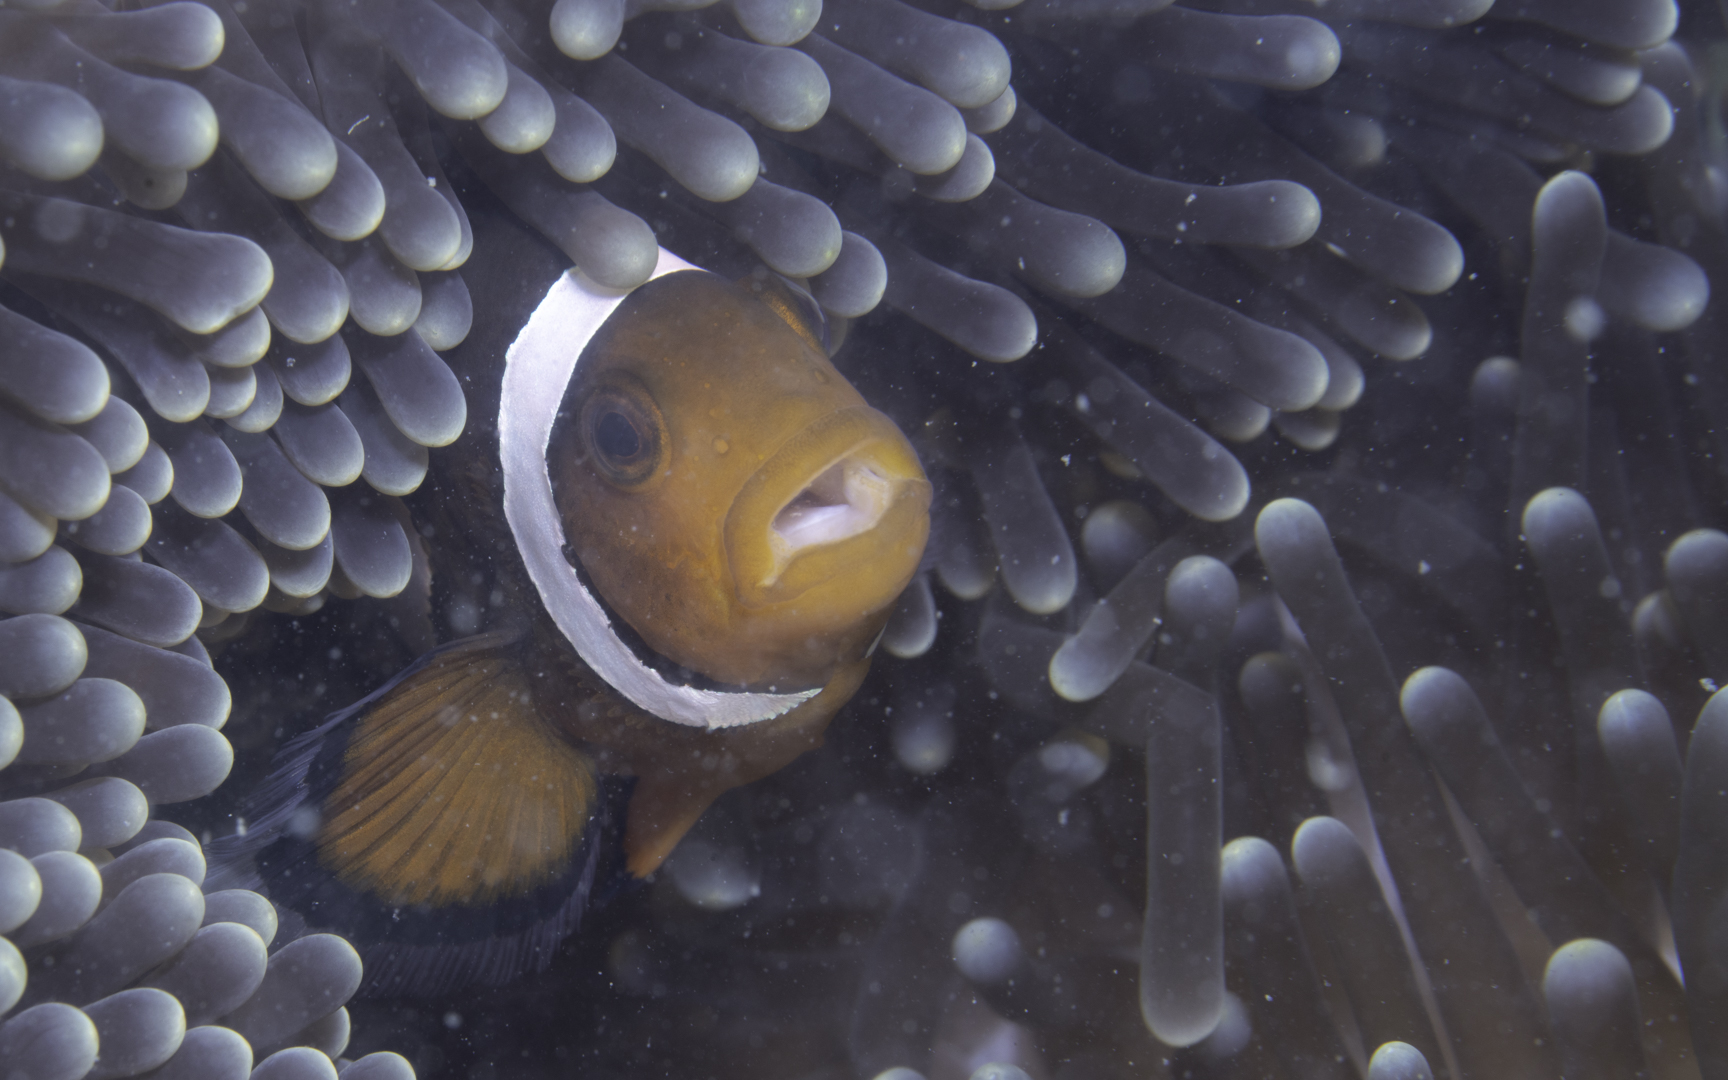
698, 528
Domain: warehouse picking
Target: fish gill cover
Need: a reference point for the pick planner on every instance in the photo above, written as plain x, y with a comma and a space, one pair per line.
1314, 671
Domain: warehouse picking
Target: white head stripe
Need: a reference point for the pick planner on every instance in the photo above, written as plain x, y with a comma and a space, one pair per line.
538, 368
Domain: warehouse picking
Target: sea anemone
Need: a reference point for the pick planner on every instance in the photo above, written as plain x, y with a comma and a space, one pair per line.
1329, 388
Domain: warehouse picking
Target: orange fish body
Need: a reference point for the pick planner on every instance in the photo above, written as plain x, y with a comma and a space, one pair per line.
698, 529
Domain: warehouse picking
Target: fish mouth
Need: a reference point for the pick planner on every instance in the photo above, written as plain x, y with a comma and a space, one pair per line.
849, 497
842, 504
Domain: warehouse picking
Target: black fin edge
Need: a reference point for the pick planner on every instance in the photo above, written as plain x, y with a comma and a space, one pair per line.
419, 950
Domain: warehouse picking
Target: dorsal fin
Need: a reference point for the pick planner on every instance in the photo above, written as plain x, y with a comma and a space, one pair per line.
440, 820
793, 303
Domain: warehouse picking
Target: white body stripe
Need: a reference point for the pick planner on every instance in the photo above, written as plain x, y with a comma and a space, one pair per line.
538, 368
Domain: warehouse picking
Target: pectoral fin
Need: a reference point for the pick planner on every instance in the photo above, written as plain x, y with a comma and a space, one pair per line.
440, 822
453, 791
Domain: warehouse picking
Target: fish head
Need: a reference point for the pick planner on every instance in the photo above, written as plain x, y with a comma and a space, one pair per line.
727, 492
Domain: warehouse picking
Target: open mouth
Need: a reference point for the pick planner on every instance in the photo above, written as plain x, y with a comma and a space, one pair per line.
841, 507
848, 498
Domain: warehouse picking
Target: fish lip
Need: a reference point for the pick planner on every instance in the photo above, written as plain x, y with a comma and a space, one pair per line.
855, 453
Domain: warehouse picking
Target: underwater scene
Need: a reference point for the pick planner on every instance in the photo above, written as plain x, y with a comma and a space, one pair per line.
863, 539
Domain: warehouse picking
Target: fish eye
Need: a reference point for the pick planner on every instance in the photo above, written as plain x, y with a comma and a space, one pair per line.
616, 437
624, 432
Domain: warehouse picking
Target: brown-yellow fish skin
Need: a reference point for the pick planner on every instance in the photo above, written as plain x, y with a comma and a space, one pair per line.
736, 416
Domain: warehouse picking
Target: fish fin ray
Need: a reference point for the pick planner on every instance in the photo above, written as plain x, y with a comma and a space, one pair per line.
470, 716
794, 304
356, 784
